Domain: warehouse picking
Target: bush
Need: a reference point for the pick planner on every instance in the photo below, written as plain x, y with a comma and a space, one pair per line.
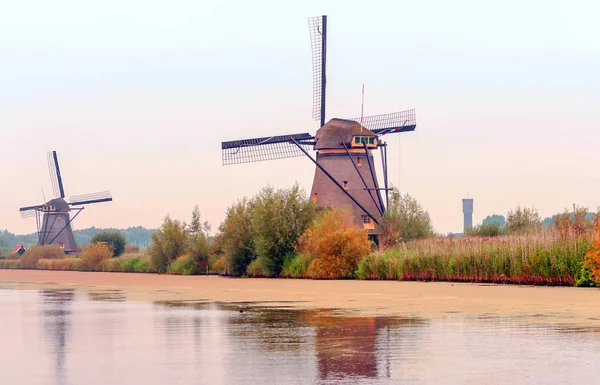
114, 238
132, 249
335, 245
523, 220
404, 219
10, 264
183, 265
199, 248
30, 258
592, 259
95, 255
296, 266
236, 237
279, 218
168, 243
256, 268
490, 229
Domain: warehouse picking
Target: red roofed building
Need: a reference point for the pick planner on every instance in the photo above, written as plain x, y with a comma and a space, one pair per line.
20, 249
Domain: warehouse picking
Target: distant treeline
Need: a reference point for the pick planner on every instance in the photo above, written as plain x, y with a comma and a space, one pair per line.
139, 236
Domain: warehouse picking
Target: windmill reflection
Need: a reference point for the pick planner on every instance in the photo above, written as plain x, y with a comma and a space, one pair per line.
56, 319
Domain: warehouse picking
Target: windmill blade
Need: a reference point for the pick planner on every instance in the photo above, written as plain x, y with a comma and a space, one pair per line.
317, 27
267, 148
53, 175
85, 199
401, 121
29, 211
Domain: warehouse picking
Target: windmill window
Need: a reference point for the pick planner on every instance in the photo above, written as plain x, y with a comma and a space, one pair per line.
61, 245
366, 219
359, 162
315, 197
357, 140
371, 140
345, 185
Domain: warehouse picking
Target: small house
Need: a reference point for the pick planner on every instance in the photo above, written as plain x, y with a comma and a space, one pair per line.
20, 249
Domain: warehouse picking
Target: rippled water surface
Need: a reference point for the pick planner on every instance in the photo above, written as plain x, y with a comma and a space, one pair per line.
81, 337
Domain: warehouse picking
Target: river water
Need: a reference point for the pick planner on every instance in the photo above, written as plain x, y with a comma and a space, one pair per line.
98, 337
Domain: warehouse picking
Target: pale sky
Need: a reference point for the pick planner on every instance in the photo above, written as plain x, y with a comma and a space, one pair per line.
136, 97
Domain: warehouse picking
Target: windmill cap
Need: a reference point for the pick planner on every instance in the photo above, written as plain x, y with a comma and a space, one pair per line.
337, 131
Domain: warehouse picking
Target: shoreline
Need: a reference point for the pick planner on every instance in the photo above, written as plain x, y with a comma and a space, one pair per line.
539, 304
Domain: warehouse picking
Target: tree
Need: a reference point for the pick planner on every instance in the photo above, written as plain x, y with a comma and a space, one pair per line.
279, 218
523, 220
500, 220
335, 245
199, 245
237, 239
577, 222
404, 219
489, 229
168, 243
113, 238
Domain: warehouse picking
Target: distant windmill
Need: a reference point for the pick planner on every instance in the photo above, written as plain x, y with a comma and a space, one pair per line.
53, 218
345, 173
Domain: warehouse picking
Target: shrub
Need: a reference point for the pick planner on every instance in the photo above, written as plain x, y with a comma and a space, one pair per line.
335, 245
404, 219
296, 266
132, 249
279, 217
30, 258
490, 229
199, 246
183, 265
256, 268
168, 243
114, 238
523, 220
95, 255
236, 237
592, 259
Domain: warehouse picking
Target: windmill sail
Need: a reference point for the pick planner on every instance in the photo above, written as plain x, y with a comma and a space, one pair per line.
318, 38
267, 148
85, 199
401, 121
55, 176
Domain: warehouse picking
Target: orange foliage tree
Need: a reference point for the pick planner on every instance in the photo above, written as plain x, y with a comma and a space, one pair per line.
592, 260
335, 245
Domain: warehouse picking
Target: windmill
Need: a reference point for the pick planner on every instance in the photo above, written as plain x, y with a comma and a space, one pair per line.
345, 172
53, 218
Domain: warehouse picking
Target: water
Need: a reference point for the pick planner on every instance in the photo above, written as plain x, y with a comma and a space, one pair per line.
97, 337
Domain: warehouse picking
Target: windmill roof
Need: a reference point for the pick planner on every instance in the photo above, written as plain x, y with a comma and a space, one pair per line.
338, 131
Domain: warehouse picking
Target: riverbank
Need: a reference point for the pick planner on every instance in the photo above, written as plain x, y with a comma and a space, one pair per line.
565, 305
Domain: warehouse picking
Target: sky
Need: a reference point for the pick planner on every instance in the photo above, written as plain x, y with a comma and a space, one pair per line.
136, 97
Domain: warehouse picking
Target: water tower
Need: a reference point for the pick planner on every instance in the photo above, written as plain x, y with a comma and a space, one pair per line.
468, 213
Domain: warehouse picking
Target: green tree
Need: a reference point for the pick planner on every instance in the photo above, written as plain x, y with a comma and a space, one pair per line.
279, 218
404, 219
495, 218
199, 245
168, 243
114, 238
523, 220
236, 237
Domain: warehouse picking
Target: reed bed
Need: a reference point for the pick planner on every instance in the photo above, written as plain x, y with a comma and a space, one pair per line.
543, 259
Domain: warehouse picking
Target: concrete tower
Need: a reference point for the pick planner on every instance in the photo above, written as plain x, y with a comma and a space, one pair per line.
468, 213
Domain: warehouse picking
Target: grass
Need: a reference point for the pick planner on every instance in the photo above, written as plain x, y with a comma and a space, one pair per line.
546, 259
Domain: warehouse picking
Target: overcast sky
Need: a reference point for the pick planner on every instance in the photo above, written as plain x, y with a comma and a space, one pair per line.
136, 97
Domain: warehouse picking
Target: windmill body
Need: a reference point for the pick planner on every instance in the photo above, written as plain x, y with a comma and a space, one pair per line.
56, 225
341, 152
345, 174
54, 217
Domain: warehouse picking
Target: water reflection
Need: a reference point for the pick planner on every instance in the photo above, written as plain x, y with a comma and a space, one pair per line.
79, 337
56, 319
346, 347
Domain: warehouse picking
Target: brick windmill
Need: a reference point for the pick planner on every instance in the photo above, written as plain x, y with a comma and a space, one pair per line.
345, 172
53, 218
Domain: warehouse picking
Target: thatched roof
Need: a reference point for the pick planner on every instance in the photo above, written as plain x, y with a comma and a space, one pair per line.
338, 131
